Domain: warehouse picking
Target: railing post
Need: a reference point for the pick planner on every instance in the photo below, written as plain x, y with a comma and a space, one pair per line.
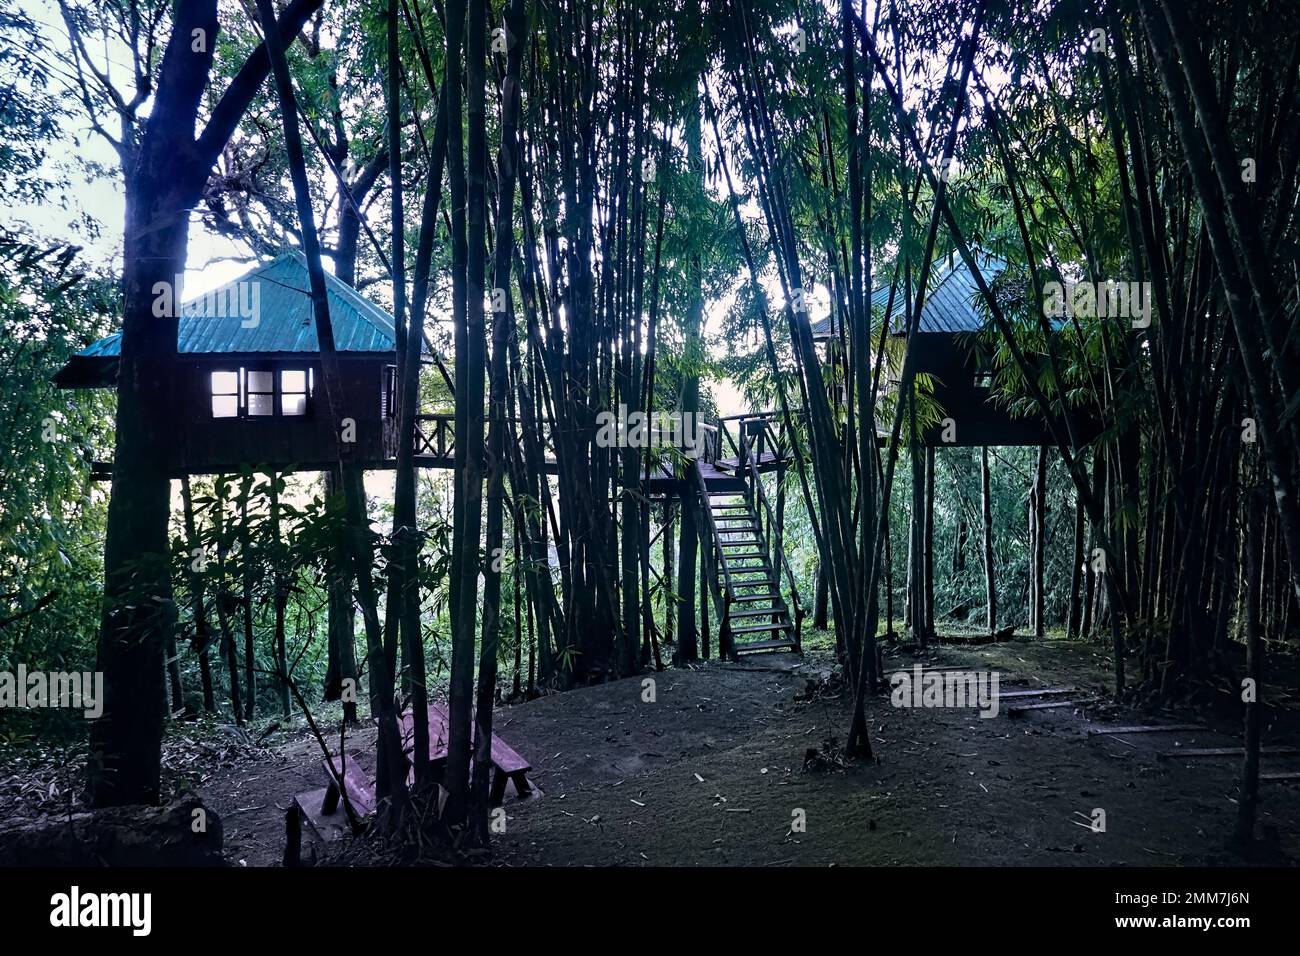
724, 630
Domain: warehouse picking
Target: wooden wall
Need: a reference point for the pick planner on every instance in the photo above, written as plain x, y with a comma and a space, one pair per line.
979, 418
205, 445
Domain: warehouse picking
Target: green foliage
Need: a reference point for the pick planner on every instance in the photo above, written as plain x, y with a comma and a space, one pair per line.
52, 515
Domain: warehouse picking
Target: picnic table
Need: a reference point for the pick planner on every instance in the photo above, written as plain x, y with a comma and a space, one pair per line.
508, 765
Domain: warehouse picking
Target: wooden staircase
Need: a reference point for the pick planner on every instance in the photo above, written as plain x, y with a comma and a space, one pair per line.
743, 561
756, 618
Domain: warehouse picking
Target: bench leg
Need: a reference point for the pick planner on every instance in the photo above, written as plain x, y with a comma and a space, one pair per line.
498, 788
331, 801
522, 787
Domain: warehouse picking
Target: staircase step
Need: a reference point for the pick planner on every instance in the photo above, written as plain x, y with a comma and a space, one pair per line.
759, 628
759, 613
753, 646
751, 598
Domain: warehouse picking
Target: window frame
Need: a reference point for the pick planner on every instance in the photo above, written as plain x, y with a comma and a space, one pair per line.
308, 389
388, 392
237, 394
985, 376
273, 394
243, 373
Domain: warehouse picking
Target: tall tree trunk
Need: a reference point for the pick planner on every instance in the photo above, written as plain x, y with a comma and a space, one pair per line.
246, 601
223, 610
1252, 298
669, 535
929, 542
341, 679
1040, 542
194, 561
821, 600
390, 769
690, 396
502, 324
687, 647
990, 583
704, 606
469, 252
402, 611
1073, 629
174, 676
889, 571
1248, 802
165, 168
280, 599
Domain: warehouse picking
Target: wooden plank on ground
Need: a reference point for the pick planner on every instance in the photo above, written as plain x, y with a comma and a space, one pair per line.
1012, 694
1286, 777
1025, 708
1227, 752
946, 669
1146, 729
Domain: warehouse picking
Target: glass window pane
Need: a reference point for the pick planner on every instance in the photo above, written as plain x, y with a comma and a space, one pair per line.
225, 406
293, 380
225, 383
261, 382
293, 404
261, 404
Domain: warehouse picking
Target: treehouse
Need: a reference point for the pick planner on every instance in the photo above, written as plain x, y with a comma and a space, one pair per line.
245, 389
947, 348
244, 392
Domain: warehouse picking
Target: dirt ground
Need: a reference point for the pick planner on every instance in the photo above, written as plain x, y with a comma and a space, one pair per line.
712, 773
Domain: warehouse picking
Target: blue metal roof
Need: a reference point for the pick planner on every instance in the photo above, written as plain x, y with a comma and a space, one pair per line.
215, 324
951, 301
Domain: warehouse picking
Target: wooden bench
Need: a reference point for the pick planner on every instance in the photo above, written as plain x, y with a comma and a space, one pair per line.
360, 792
320, 808
508, 766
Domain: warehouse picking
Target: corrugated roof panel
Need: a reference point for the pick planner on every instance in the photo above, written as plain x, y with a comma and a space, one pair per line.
951, 304
221, 322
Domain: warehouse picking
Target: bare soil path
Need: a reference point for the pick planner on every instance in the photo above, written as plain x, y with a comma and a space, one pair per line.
709, 770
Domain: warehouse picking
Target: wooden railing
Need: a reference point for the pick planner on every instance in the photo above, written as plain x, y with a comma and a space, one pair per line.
710, 438
766, 428
435, 436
